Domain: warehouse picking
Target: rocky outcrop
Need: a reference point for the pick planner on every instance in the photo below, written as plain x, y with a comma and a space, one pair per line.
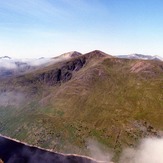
61, 74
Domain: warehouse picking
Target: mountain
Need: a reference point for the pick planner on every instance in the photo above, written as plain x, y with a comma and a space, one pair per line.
10, 66
93, 96
70, 54
141, 56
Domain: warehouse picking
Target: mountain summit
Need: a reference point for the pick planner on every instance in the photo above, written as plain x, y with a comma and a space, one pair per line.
71, 54
97, 54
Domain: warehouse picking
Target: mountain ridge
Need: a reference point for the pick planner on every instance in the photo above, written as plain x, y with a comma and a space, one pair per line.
112, 100
141, 56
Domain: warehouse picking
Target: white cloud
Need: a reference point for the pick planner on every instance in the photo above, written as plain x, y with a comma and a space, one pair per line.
150, 150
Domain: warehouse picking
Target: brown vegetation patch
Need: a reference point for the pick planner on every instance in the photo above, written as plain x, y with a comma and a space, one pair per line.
141, 66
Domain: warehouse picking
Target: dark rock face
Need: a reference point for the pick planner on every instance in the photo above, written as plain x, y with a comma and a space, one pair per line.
15, 152
65, 72
62, 74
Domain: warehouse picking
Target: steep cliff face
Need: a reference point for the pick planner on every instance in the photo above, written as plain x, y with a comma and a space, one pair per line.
61, 74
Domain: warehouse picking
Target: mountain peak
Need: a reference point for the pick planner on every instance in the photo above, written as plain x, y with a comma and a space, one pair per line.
71, 54
5, 57
97, 54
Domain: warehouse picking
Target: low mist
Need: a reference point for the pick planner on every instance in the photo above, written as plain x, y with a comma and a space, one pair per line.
11, 98
149, 150
98, 151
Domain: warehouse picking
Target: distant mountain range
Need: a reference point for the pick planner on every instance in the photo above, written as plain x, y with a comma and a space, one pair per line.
12, 63
141, 56
12, 66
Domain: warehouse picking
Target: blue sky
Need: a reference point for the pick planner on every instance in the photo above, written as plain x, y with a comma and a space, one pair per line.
36, 28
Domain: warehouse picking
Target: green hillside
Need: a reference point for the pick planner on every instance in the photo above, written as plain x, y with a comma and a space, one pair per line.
93, 96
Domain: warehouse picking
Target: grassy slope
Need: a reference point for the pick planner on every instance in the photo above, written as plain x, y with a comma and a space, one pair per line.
115, 105
107, 100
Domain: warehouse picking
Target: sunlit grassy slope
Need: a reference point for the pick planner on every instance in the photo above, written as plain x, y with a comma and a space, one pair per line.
95, 96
